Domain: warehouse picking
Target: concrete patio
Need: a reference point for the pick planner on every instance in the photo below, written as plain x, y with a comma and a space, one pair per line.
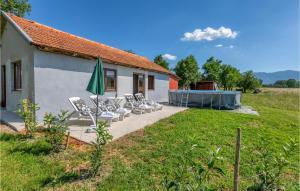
117, 129
121, 128
12, 120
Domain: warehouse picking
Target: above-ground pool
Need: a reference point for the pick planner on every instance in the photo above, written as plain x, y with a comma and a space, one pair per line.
217, 99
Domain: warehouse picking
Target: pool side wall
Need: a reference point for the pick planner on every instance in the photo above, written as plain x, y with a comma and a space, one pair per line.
213, 99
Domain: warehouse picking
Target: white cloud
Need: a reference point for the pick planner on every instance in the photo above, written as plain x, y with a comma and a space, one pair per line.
219, 45
230, 46
169, 57
209, 34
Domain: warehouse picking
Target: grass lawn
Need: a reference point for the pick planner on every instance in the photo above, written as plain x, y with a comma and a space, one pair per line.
140, 160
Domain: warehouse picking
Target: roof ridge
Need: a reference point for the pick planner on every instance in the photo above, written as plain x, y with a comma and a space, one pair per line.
76, 36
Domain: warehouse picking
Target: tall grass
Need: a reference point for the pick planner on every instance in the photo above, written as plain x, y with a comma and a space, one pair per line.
285, 99
141, 160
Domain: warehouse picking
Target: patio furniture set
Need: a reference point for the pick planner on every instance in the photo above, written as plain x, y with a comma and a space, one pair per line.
111, 109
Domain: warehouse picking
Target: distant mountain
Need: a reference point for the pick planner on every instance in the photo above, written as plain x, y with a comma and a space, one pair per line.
269, 78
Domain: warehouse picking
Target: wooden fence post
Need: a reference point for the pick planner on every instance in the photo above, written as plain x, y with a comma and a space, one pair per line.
237, 160
67, 141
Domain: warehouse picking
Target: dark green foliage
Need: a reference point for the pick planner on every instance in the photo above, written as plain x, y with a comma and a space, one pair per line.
193, 175
56, 127
161, 61
17, 7
290, 83
61, 179
249, 81
13, 137
102, 138
38, 147
187, 69
270, 167
212, 69
229, 77
225, 75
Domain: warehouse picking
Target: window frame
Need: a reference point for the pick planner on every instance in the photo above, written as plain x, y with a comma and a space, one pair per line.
153, 77
17, 76
105, 79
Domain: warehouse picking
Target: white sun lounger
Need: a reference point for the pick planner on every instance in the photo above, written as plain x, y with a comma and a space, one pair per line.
122, 112
140, 97
85, 111
136, 106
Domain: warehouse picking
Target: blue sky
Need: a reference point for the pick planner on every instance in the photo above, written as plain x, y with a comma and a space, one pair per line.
258, 35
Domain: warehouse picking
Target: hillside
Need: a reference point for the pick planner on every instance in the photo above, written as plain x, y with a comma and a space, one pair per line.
269, 78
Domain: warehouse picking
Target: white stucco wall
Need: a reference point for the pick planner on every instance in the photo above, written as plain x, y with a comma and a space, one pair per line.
161, 84
58, 77
15, 48
161, 87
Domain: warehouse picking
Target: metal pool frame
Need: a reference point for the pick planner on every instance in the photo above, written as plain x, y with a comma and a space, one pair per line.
205, 98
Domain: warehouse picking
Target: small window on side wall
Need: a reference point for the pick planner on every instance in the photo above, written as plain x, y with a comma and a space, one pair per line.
17, 75
110, 78
150, 82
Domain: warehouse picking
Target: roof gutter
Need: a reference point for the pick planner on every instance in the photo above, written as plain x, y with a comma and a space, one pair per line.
14, 24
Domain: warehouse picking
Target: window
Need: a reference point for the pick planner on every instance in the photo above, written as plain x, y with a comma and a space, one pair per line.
150, 82
17, 75
110, 80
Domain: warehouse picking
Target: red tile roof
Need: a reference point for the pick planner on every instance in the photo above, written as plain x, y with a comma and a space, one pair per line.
50, 39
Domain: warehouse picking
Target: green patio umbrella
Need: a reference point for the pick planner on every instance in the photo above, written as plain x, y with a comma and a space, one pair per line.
96, 83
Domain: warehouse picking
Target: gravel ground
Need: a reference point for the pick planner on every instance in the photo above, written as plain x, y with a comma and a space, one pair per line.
6, 129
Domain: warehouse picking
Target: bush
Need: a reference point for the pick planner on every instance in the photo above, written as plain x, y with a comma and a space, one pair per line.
13, 137
38, 147
249, 81
27, 112
192, 175
102, 138
270, 167
56, 127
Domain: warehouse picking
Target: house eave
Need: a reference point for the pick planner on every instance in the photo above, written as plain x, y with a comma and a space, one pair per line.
88, 57
14, 24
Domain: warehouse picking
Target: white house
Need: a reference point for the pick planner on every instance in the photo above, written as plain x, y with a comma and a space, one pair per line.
48, 66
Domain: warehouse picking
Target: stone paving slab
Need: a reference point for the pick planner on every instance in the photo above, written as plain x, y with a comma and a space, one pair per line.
12, 120
128, 125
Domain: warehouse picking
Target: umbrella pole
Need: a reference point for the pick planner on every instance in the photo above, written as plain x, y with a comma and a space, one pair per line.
97, 111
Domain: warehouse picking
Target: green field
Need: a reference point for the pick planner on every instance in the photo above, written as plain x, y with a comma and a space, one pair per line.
141, 160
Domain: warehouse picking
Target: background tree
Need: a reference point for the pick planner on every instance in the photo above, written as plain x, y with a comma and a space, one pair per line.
229, 77
16, 7
292, 83
212, 69
161, 61
249, 81
280, 84
187, 69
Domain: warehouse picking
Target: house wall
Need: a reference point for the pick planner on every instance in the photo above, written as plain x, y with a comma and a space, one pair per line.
58, 77
161, 87
15, 48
